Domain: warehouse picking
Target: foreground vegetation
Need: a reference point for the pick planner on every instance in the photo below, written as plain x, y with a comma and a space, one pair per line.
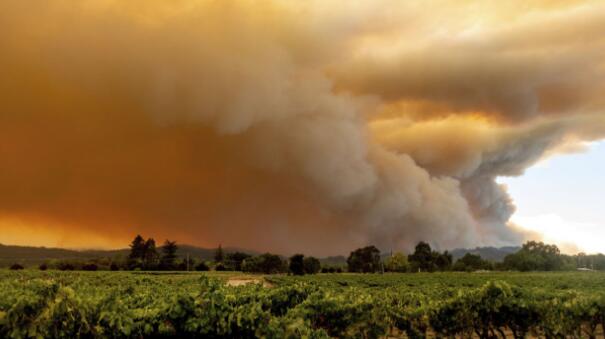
55, 304
155, 293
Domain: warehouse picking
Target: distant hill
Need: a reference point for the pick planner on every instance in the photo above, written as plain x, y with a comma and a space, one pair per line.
495, 254
30, 256
27, 255
33, 256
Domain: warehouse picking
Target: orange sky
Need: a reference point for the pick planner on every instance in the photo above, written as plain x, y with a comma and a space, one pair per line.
286, 126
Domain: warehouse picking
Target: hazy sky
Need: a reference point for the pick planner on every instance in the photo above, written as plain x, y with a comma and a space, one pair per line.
563, 198
298, 126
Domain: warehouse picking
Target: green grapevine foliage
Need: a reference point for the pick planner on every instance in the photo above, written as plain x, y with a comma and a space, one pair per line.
444, 305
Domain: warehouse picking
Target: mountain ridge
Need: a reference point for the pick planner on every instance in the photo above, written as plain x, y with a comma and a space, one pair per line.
490, 253
32, 255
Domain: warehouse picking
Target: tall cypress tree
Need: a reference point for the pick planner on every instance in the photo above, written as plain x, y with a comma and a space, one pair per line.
219, 256
137, 252
168, 260
150, 256
137, 248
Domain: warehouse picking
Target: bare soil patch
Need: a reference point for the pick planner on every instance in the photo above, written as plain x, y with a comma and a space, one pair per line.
241, 281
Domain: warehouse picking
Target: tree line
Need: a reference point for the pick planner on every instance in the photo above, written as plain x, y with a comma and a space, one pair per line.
533, 256
424, 259
145, 255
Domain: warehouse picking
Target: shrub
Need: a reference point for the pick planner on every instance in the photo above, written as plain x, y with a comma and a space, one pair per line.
234, 260
43, 267
90, 267
16, 267
185, 265
220, 267
114, 267
65, 266
471, 262
266, 263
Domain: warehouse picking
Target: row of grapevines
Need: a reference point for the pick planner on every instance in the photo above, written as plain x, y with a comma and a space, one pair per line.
121, 305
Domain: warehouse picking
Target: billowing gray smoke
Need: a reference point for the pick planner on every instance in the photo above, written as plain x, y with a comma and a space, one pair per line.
286, 126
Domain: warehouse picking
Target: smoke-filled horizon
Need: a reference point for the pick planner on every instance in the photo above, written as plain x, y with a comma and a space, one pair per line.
287, 126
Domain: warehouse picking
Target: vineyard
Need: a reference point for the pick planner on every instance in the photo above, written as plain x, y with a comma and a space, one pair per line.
137, 304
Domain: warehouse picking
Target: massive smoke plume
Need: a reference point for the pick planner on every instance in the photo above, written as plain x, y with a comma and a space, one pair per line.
290, 126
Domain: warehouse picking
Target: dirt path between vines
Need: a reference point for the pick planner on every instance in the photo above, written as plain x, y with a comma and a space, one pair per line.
241, 281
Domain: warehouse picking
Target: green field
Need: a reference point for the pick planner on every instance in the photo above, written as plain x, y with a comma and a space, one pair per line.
57, 304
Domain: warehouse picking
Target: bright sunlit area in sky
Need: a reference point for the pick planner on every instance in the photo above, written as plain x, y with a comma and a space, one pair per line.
561, 198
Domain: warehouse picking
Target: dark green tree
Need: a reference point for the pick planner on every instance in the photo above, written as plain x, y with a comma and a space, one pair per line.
297, 264
311, 265
471, 262
202, 266
266, 263
443, 261
366, 260
137, 253
422, 259
234, 260
186, 264
168, 259
137, 248
17, 267
219, 256
90, 267
536, 256
150, 255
